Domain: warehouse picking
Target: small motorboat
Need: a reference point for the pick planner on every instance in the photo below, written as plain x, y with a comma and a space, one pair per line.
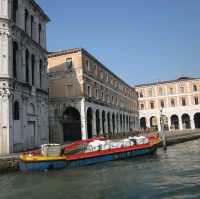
86, 152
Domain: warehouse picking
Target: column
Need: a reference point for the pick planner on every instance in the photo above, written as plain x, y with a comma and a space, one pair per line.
180, 122
192, 122
83, 120
148, 123
159, 123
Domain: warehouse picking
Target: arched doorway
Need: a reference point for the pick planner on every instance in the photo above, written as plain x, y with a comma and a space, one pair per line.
154, 123
103, 121
164, 122
89, 122
121, 124
71, 124
186, 121
113, 122
108, 119
97, 122
197, 120
117, 123
143, 123
174, 122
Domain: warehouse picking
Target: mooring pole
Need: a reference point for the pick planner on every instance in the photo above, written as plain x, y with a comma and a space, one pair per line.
164, 143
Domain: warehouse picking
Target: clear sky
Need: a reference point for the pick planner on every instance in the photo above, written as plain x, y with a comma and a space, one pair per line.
139, 40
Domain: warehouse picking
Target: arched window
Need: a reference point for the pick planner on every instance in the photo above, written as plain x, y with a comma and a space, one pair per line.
15, 49
39, 33
25, 20
27, 66
16, 110
32, 22
14, 10
41, 64
33, 68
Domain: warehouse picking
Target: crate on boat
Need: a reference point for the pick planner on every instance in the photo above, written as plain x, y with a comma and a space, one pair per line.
51, 150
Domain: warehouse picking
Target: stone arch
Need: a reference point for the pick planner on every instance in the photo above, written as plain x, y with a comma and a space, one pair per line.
197, 120
113, 123
154, 123
97, 122
108, 119
117, 123
121, 123
103, 121
89, 122
71, 124
174, 122
143, 124
186, 121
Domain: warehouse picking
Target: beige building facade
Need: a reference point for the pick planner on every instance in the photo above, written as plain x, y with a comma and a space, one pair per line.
171, 105
23, 79
87, 99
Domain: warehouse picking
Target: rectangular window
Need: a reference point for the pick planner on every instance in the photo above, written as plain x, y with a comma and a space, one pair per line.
183, 102
97, 94
152, 105
182, 89
150, 92
70, 90
172, 103
196, 100
87, 64
89, 91
33, 69
68, 64
14, 11
162, 104
142, 106
25, 20
171, 91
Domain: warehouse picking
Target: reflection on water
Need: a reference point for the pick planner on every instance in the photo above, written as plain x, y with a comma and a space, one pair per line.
171, 174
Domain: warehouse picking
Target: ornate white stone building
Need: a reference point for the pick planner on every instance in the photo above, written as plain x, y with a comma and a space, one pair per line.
87, 99
23, 79
176, 102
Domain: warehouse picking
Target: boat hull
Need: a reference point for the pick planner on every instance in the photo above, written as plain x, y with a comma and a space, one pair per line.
68, 163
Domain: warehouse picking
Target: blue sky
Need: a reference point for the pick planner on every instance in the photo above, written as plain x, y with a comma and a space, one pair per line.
139, 40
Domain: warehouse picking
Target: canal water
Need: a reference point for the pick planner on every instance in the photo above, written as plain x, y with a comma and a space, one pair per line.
171, 174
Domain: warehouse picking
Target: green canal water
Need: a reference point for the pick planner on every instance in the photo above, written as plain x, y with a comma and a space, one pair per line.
171, 174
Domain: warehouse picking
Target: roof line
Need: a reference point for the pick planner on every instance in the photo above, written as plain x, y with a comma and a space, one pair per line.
74, 50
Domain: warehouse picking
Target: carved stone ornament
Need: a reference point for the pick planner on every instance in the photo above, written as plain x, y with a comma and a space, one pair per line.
5, 92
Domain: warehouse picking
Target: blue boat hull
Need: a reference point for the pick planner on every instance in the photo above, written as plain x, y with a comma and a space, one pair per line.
59, 164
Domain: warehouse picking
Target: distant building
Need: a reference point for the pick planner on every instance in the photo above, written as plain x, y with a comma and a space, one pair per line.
178, 101
87, 99
23, 80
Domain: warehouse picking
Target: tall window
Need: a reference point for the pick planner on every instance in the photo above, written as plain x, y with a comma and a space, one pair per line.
182, 89
32, 22
33, 68
196, 100
142, 106
194, 88
40, 73
162, 104
16, 111
172, 103
26, 21
39, 33
68, 64
150, 92
14, 11
89, 91
152, 105
15, 49
171, 91
27, 66
160, 91
183, 102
